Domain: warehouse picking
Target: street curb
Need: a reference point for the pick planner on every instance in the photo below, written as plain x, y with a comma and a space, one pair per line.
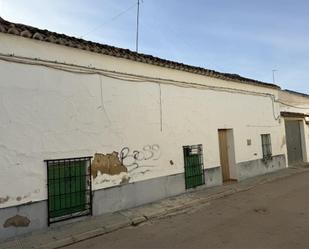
136, 217
84, 236
58, 243
114, 227
138, 220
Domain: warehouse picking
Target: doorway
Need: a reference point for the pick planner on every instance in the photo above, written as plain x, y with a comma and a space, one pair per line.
294, 141
227, 155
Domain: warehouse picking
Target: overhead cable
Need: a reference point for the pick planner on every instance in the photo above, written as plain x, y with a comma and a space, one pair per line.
110, 20
77, 69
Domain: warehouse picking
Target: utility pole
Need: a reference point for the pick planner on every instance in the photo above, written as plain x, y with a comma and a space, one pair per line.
137, 25
274, 70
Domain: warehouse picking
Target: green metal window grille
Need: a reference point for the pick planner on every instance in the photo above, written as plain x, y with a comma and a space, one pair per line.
69, 188
266, 146
194, 167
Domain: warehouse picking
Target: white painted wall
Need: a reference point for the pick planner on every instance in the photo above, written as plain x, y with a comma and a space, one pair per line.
47, 114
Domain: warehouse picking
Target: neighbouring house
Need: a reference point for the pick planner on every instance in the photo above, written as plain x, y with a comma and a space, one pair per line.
88, 128
294, 108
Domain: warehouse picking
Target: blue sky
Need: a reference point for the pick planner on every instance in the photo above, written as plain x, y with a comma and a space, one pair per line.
247, 37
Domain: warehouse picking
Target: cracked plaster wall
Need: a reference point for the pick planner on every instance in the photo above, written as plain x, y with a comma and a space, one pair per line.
50, 114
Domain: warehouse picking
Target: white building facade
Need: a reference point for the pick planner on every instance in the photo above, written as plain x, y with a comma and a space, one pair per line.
295, 112
150, 128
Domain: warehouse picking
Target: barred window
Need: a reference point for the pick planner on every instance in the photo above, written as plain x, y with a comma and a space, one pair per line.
266, 146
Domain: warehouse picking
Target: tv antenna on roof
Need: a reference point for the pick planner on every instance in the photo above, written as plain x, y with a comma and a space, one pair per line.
137, 25
274, 70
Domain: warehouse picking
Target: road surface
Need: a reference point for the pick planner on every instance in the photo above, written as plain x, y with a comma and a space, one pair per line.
272, 215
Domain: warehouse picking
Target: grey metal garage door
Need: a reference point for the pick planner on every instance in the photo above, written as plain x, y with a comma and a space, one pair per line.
293, 141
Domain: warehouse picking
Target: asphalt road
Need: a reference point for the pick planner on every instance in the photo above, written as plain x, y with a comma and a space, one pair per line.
272, 215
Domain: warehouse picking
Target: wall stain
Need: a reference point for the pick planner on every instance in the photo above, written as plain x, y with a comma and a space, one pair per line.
4, 199
17, 221
107, 164
125, 180
145, 171
104, 180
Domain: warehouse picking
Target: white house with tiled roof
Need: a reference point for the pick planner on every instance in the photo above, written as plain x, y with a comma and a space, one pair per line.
294, 108
89, 128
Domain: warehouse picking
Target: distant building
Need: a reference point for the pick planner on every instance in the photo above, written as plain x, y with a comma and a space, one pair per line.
149, 128
295, 111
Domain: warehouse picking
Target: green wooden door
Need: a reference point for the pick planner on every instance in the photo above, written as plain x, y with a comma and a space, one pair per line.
194, 170
67, 188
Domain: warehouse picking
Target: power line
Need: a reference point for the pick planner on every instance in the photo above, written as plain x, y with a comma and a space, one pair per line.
110, 20
78, 69
294, 106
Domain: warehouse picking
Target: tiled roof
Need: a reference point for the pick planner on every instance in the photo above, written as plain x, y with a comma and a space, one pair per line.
65, 40
294, 115
297, 93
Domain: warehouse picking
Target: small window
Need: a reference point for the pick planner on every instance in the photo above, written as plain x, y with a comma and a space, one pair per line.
266, 146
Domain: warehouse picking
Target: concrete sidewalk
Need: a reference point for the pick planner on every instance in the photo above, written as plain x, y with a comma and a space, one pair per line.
60, 235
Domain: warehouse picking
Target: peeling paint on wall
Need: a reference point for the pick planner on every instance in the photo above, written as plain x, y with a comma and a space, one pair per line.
133, 128
125, 179
125, 167
4, 199
105, 180
107, 164
17, 221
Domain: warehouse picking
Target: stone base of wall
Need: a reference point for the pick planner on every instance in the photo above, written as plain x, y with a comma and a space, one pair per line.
26, 218
259, 167
139, 193
33, 216
213, 177
18, 220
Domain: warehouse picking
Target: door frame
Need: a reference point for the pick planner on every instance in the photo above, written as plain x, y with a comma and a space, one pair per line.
227, 154
301, 123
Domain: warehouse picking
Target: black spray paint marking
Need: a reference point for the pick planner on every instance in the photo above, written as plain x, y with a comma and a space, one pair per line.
135, 159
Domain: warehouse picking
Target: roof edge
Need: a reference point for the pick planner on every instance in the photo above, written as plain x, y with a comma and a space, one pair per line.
73, 42
296, 93
293, 115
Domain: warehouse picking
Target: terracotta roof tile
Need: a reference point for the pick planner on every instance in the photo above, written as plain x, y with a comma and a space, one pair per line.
62, 39
298, 93
26, 33
294, 115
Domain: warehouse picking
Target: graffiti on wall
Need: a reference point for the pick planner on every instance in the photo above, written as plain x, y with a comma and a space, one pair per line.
134, 159
119, 168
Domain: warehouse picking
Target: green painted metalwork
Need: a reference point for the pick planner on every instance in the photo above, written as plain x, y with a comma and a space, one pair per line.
194, 168
68, 190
